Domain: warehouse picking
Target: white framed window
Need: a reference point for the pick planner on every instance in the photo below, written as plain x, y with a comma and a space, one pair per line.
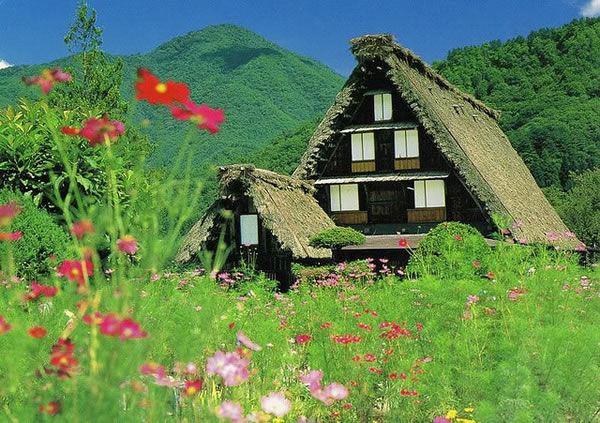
430, 193
406, 144
363, 146
383, 106
343, 197
249, 229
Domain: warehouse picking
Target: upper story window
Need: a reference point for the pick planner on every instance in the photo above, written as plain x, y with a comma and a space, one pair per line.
344, 197
383, 106
430, 193
406, 144
363, 146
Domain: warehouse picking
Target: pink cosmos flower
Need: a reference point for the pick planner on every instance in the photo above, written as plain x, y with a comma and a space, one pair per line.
151, 368
127, 244
203, 116
110, 325
276, 403
47, 79
244, 340
337, 391
230, 410
441, 419
230, 366
312, 379
192, 387
128, 329
301, 339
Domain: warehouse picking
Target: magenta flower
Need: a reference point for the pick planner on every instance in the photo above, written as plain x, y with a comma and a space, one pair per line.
276, 403
127, 244
203, 116
47, 79
230, 410
230, 366
151, 368
441, 419
8, 212
128, 329
244, 340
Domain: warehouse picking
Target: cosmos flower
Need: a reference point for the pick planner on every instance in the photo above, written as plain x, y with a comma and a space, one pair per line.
203, 116
4, 326
52, 408
38, 290
128, 329
37, 332
302, 339
47, 79
127, 244
149, 87
97, 131
82, 228
230, 410
192, 387
74, 270
336, 391
152, 368
247, 342
276, 403
230, 366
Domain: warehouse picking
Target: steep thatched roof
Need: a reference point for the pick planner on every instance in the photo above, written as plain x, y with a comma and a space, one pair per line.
463, 128
285, 205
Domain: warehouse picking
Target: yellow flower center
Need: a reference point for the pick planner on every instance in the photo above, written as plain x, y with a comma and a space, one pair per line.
161, 88
191, 390
75, 272
198, 119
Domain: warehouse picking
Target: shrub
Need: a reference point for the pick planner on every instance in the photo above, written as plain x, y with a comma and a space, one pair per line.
42, 238
336, 237
452, 249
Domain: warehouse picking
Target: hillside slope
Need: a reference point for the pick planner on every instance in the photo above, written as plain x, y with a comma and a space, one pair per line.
263, 88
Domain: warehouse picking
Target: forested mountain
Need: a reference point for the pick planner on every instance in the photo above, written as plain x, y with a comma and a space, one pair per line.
547, 87
264, 89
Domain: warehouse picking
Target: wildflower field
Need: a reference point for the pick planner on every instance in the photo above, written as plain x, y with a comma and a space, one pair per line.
107, 330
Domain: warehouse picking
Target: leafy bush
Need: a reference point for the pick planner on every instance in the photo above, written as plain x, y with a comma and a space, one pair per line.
453, 249
336, 237
42, 238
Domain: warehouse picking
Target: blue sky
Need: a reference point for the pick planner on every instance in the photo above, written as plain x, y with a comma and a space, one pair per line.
31, 31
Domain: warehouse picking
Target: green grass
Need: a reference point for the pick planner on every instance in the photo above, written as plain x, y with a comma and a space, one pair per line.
533, 358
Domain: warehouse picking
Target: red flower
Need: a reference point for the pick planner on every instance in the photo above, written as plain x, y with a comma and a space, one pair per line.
231, 325
10, 236
476, 264
406, 393
128, 329
110, 325
491, 275
74, 270
393, 376
403, 243
97, 131
456, 237
127, 244
47, 79
326, 325
148, 87
356, 358
52, 408
370, 357
375, 370
203, 116
192, 387
301, 339
347, 406
364, 326
37, 332
83, 227
38, 290
4, 326
419, 326
62, 357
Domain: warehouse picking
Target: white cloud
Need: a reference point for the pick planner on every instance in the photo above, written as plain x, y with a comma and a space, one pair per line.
591, 9
4, 64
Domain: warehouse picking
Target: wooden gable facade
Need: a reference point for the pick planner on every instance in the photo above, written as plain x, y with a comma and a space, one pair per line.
401, 150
